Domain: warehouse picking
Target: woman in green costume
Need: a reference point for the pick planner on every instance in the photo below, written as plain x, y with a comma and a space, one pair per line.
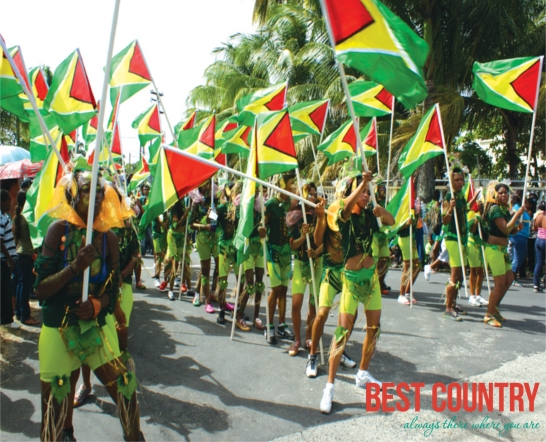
77, 333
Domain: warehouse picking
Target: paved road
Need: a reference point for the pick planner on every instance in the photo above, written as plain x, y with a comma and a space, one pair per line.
196, 384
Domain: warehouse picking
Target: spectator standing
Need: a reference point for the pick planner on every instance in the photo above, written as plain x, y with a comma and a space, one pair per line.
519, 241
540, 245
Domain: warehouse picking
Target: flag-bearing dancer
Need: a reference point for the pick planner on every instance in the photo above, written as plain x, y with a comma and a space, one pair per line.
357, 225
278, 257
500, 224
76, 332
475, 257
301, 277
204, 222
176, 236
160, 228
227, 223
408, 247
381, 249
253, 266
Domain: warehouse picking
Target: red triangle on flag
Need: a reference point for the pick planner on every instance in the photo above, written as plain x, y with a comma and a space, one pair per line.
65, 156
350, 138
137, 65
116, 142
347, 18
81, 89
41, 85
434, 133
153, 122
280, 138
230, 126
277, 102
145, 167
526, 84
412, 192
187, 173
371, 138
385, 97
221, 159
318, 116
190, 123
245, 135
18, 59
207, 136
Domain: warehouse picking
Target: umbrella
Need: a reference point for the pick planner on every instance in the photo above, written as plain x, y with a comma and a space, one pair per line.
9, 154
20, 169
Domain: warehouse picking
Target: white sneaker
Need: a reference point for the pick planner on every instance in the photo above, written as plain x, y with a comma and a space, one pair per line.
403, 300
481, 300
157, 283
327, 398
311, 369
365, 379
171, 295
346, 361
473, 300
15, 325
427, 272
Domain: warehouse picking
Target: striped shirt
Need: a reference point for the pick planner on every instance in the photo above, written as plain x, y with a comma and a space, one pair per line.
7, 236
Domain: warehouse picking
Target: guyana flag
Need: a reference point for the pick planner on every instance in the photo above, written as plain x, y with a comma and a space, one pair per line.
148, 125
370, 99
39, 88
237, 141
115, 147
70, 98
368, 135
129, 73
10, 88
199, 140
470, 192
275, 144
175, 176
263, 100
142, 174
41, 191
427, 143
153, 148
224, 127
90, 129
246, 209
402, 206
370, 38
510, 84
39, 143
308, 118
340, 144
186, 124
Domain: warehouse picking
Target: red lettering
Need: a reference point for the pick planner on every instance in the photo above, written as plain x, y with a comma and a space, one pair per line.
501, 386
386, 397
417, 387
466, 406
531, 395
405, 404
454, 395
371, 395
485, 396
516, 396
438, 386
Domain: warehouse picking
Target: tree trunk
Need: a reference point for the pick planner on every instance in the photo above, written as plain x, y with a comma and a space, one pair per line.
426, 176
512, 157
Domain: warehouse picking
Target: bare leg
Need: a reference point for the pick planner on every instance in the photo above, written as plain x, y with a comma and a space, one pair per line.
297, 302
346, 321
373, 318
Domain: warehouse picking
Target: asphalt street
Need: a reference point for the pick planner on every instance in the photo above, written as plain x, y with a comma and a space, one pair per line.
197, 384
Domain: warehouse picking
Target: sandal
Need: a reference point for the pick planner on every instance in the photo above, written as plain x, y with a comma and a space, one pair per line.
258, 324
492, 321
140, 285
242, 325
81, 395
498, 316
294, 348
453, 315
30, 321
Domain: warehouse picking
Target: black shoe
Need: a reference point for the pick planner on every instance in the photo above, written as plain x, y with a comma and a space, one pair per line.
221, 318
68, 435
190, 293
272, 337
284, 332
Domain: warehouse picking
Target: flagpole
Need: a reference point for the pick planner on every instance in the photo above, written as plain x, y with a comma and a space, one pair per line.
311, 263
175, 141
411, 252
100, 131
532, 133
453, 196
262, 208
377, 146
390, 149
237, 302
484, 259
349, 103
320, 142
30, 95
237, 173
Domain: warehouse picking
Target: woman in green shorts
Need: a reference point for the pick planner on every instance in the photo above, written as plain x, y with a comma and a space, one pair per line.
357, 225
408, 247
77, 333
500, 224
475, 258
175, 246
160, 228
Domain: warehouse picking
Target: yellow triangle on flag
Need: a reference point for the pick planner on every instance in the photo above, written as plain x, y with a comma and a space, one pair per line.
368, 98
122, 75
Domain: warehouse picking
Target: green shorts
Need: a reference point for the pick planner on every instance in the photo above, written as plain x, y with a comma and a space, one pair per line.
226, 261
302, 277
404, 244
56, 360
474, 253
278, 275
330, 286
380, 246
254, 261
360, 286
498, 259
126, 301
207, 245
175, 245
160, 244
454, 254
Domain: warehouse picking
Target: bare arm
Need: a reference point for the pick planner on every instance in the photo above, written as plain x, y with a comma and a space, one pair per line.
350, 201
320, 226
508, 227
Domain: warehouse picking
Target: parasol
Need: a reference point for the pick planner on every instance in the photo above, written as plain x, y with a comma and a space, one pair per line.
20, 169
9, 154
